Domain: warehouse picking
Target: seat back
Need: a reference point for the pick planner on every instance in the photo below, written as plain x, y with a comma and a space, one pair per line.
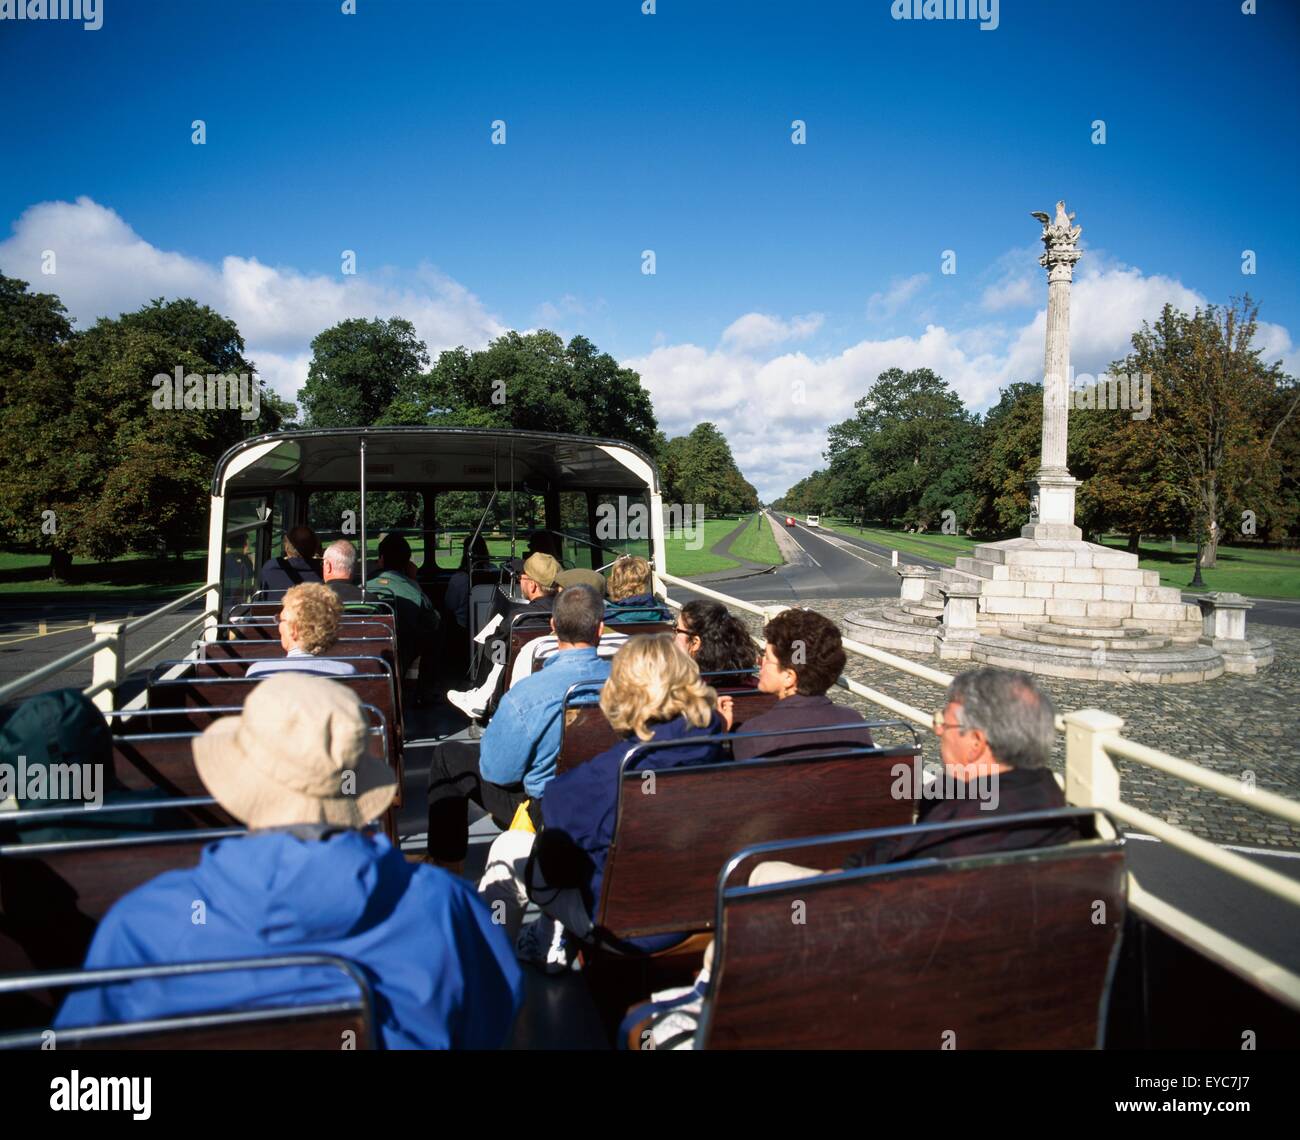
215, 692
53, 895
586, 732
1000, 951
247, 649
164, 762
328, 1024
677, 827
268, 628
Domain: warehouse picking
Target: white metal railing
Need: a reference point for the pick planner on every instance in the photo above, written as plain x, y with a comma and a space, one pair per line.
1092, 742
107, 647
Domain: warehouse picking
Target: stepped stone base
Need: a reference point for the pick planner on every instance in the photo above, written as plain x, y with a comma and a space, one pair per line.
1062, 608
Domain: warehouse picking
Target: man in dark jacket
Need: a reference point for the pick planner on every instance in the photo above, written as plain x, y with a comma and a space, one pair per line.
296, 567
995, 737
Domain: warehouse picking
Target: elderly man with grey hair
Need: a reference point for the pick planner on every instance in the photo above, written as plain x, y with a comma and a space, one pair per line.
995, 732
339, 561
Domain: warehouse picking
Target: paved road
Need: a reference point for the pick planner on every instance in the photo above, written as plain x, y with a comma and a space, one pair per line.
817, 566
1265, 611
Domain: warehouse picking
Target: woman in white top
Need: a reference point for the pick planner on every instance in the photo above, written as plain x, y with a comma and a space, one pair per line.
309, 627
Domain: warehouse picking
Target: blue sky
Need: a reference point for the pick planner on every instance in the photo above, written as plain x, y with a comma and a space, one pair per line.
777, 264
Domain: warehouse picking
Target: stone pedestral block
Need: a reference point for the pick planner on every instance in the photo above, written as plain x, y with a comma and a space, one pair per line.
960, 619
914, 580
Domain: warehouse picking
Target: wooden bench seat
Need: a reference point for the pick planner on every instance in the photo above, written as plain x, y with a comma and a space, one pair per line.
318, 1025
1001, 951
217, 692
585, 732
669, 847
52, 895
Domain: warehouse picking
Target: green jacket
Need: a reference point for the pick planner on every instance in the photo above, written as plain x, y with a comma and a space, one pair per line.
417, 620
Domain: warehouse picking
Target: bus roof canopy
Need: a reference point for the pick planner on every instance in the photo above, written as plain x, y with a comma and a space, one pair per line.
467, 458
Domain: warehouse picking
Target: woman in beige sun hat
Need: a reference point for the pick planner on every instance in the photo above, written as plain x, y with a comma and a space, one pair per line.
297, 755
307, 879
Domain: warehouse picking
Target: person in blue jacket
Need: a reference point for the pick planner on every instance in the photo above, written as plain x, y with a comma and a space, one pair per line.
654, 693
631, 597
306, 879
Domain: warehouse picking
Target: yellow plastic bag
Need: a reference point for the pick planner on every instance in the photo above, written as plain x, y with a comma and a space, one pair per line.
522, 820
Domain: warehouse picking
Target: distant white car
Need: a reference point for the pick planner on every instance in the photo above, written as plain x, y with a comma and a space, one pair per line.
814, 520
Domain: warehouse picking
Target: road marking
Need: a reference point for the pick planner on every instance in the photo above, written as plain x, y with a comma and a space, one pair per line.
801, 547
45, 633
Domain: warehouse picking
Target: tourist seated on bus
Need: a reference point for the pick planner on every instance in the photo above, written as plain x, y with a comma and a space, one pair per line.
537, 583
337, 566
56, 751
654, 693
300, 546
996, 732
309, 627
579, 576
630, 592
307, 880
515, 759
474, 554
717, 641
803, 658
417, 620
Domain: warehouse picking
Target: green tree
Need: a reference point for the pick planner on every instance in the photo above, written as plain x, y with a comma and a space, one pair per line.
1218, 412
96, 467
531, 382
358, 369
701, 469
907, 454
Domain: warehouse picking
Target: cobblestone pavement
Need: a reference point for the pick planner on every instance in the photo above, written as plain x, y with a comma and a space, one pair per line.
1232, 725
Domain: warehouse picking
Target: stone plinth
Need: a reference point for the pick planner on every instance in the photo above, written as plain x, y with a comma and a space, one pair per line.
914, 580
1223, 626
960, 619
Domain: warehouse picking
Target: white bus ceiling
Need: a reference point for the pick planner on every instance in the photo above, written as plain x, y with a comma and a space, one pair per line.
452, 458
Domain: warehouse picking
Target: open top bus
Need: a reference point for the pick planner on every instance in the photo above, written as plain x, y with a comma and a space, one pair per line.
1140, 976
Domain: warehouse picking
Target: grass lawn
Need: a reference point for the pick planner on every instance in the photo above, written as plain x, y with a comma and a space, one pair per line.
26, 578
757, 543
1247, 570
687, 563
1252, 571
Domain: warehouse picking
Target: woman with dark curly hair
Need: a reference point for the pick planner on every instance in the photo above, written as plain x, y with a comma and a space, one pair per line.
804, 657
717, 641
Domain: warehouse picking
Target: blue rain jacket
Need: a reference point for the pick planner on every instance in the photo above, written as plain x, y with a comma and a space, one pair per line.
443, 975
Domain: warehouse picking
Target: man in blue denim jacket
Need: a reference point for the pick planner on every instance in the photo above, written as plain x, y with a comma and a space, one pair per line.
516, 757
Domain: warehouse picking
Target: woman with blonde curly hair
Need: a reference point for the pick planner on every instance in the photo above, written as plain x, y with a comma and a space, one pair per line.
309, 627
630, 590
654, 693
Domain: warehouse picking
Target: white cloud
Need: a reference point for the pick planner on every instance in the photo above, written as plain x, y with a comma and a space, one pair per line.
1007, 294
775, 412
759, 330
882, 306
105, 268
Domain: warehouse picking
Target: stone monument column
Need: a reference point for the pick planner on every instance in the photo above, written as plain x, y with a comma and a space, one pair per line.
1051, 513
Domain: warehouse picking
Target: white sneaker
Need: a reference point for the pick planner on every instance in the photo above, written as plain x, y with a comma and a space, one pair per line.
545, 944
465, 701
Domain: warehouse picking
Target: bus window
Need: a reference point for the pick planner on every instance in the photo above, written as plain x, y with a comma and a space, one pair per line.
245, 524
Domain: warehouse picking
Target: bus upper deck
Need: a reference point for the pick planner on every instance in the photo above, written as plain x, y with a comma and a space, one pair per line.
679, 862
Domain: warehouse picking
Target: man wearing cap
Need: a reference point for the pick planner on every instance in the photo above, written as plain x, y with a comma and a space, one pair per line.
306, 880
537, 584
